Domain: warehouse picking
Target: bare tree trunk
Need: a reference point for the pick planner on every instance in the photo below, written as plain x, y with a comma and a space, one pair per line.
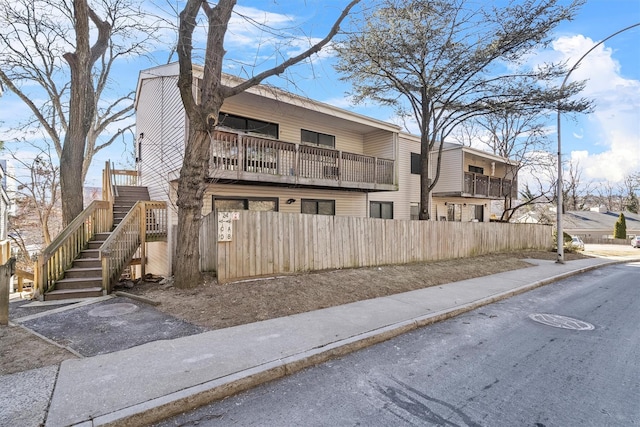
81, 107
191, 189
425, 182
203, 115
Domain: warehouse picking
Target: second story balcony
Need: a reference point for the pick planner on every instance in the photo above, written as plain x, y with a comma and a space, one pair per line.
478, 185
252, 159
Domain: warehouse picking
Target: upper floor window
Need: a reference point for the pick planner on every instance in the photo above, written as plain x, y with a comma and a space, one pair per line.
248, 125
317, 138
416, 164
476, 169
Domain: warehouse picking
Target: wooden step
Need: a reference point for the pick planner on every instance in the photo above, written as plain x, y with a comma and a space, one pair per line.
77, 272
79, 283
89, 253
132, 191
101, 236
59, 294
95, 244
87, 263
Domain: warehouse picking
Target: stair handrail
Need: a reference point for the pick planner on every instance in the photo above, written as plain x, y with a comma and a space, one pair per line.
64, 249
109, 189
146, 218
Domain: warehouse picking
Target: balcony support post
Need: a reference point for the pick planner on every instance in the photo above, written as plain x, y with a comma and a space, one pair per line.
240, 154
375, 170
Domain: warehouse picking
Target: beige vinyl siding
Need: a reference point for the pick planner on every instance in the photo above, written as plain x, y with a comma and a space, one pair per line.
450, 174
160, 117
157, 259
380, 144
291, 120
474, 160
409, 184
347, 203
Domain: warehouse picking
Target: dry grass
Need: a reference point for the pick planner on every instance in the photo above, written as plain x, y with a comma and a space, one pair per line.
217, 306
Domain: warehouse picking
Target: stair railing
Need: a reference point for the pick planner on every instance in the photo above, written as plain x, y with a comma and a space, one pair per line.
125, 177
146, 221
109, 190
65, 248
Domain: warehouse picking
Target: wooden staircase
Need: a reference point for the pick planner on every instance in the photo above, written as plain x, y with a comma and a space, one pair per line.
84, 278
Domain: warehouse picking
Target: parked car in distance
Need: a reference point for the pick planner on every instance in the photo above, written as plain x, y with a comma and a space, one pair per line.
635, 242
577, 243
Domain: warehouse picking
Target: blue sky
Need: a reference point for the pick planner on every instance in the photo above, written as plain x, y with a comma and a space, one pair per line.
606, 143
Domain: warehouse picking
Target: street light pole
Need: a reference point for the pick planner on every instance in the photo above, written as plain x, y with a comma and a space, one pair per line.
560, 241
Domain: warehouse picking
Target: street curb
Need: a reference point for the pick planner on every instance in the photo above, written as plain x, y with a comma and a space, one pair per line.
160, 408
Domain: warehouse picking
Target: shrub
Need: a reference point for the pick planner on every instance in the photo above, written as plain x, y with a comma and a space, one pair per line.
620, 228
566, 238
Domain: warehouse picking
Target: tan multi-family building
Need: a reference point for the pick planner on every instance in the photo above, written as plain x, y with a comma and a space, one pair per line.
274, 150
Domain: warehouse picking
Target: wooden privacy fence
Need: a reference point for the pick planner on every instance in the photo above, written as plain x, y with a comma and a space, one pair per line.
268, 243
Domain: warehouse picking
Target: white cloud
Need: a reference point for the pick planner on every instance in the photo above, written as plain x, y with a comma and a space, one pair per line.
614, 126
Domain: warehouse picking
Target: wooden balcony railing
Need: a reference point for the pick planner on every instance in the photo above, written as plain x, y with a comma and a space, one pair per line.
483, 185
247, 153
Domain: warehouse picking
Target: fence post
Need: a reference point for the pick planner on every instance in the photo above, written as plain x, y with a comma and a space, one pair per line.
6, 271
143, 238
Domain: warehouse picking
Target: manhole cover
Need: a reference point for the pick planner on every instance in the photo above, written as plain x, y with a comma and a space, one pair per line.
112, 310
558, 321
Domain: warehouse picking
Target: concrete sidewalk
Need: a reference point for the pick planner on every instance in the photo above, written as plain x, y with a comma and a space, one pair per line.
150, 382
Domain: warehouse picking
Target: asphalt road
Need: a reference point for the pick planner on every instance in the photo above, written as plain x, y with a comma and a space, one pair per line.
495, 366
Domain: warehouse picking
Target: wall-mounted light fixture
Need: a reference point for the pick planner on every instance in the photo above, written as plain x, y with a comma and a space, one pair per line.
289, 201
464, 204
140, 137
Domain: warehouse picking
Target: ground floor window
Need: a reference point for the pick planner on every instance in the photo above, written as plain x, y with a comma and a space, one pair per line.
477, 213
454, 212
227, 204
318, 207
382, 210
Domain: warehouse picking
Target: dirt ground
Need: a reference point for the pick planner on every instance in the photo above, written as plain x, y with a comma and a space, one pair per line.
215, 306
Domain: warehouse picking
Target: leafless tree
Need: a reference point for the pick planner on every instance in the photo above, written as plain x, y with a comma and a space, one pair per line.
443, 62
37, 182
48, 60
629, 189
572, 187
202, 107
520, 137
607, 195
